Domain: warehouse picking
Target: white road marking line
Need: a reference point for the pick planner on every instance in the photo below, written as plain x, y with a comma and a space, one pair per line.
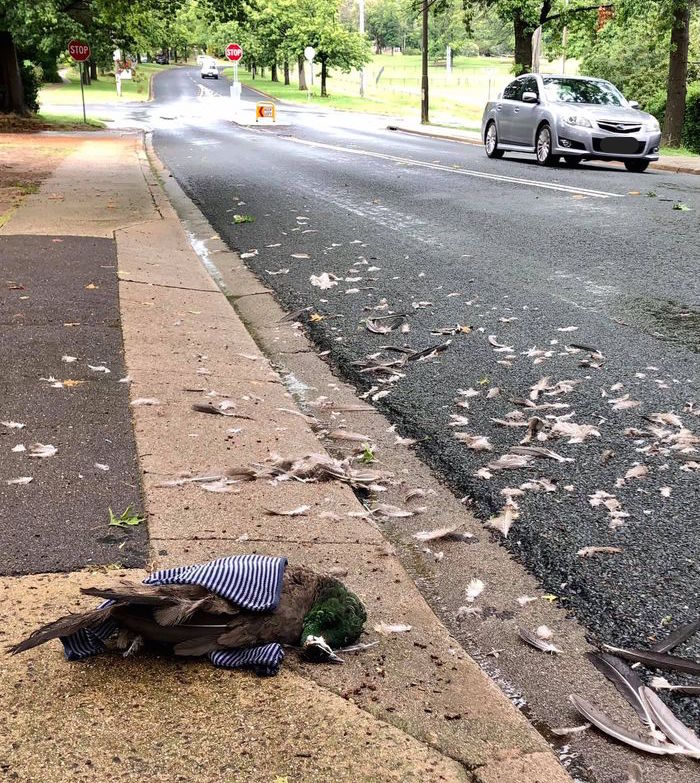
466, 172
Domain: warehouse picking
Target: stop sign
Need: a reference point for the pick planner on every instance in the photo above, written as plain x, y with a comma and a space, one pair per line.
234, 52
79, 50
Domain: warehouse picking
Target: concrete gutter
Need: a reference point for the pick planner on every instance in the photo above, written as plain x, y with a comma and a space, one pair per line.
414, 708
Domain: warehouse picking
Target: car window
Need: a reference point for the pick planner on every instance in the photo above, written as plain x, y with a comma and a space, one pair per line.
529, 84
513, 91
581, 91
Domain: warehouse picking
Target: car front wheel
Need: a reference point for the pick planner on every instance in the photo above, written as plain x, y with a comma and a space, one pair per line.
491, 142
637, 166
543, 147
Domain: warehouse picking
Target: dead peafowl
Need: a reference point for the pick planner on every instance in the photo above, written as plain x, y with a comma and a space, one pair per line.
239, 611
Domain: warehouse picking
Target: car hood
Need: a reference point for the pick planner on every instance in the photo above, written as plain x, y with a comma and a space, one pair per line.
604, 112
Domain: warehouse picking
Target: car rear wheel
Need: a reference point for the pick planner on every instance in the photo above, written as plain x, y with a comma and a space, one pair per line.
543, 147
491, 142
637, 166
572, 160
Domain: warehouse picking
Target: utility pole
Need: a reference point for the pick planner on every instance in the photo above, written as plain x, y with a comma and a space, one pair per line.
362, 32
424, 68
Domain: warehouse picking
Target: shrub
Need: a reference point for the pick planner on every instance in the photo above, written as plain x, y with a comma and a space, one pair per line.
31, 76
691, 125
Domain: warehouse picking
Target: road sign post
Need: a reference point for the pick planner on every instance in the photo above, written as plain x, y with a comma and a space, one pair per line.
233, 53
309, 54
80, 51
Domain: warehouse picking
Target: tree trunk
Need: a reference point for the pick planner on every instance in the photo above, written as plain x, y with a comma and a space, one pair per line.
302, 74
273, 73
254, 70
86, 74
523, 44
11, 89
324, 74
93, 70
677, 75
286, 72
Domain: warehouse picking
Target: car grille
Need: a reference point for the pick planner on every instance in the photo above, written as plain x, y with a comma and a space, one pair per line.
619, 146
619, 127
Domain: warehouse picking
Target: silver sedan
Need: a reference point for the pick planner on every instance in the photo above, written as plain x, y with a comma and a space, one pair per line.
574, 117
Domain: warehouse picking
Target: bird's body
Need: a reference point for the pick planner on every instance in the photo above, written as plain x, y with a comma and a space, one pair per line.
191, 620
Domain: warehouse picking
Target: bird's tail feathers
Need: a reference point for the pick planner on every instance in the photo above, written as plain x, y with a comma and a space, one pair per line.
64, 626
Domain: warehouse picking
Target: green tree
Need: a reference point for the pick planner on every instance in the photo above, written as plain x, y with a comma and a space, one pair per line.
317, 24
385, 23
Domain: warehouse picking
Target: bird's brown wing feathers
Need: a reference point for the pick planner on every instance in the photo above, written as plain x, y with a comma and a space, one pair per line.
64, 626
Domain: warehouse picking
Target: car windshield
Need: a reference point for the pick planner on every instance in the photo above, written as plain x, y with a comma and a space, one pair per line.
582, 91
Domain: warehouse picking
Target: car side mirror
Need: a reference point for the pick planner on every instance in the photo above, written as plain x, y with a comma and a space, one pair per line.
530, 97
633, 104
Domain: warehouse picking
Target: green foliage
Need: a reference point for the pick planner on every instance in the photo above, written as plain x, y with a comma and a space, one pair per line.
631, 51
690, 137
125, 519
31, 82
691, 125
338, 616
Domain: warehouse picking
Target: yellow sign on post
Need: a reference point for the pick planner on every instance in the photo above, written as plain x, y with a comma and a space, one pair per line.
265, 111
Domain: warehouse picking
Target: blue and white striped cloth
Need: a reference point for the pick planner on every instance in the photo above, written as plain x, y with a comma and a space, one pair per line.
253, 582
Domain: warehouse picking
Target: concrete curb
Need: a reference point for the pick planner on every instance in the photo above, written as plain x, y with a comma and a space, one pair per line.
666, 165
489, 747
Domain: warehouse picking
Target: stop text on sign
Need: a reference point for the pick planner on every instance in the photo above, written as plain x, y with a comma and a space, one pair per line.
79, 50
233, 52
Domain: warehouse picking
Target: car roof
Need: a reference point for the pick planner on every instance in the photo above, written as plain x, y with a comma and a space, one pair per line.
563, 76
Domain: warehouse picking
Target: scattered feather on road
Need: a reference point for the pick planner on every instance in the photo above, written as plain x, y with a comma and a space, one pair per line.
589, 551
42, 450
474, 589
386, 629
537, 643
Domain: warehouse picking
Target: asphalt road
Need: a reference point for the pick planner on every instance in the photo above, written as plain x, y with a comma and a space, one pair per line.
535, 261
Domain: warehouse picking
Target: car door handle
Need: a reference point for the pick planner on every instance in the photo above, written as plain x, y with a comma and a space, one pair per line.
498, 108
516, 110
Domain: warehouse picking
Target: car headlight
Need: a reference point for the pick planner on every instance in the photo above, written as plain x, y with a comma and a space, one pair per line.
652, 125
578, 119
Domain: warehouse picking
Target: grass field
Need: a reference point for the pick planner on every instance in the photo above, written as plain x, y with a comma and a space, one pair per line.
393, 86
102, 90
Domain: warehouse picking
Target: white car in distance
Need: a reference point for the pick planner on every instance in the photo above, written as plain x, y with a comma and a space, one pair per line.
209, 69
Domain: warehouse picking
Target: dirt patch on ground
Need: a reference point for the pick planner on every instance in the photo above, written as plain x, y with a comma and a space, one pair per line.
25, 162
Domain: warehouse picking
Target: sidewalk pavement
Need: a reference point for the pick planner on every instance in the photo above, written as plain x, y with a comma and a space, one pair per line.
681, 164
413, 708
